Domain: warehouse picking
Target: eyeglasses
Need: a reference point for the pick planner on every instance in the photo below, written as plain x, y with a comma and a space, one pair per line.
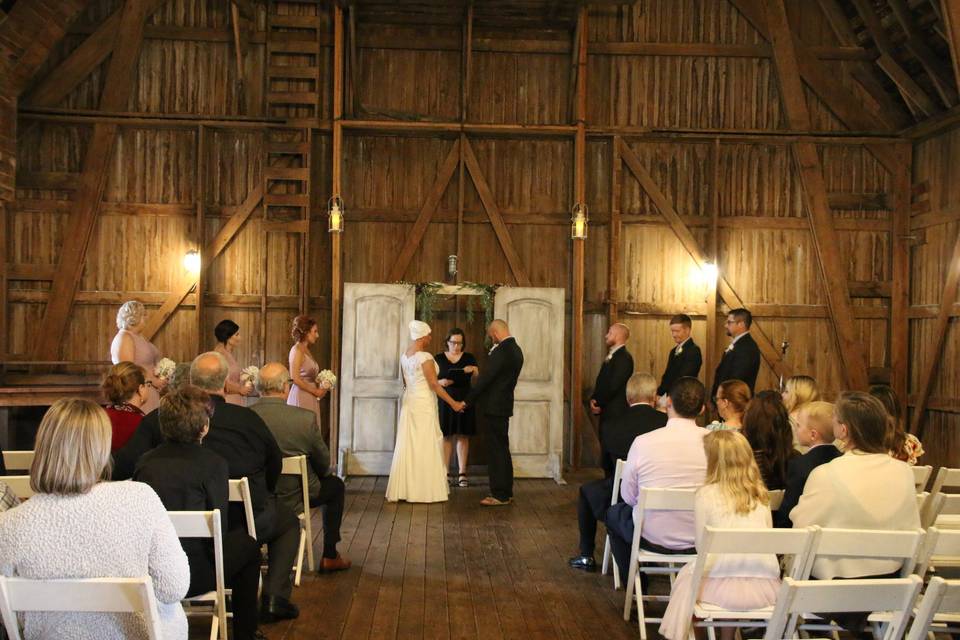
454, 341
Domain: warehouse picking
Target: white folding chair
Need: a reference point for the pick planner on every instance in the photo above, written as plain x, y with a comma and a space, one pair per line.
97, 595
18, 460
653, 499
607, 554
795, 543
798, 597
20, 485
940, 606
946, 478
206, 524
239, 491
776, 498
297, 465
921, 503
941, 548
921, 474
942, 510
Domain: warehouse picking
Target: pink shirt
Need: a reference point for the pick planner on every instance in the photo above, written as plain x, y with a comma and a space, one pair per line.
670, 457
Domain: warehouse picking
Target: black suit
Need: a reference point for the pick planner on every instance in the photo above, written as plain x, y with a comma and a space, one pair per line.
146, 437
686, 363
740, 363
798, 470
494, 388
618, 437
610, 389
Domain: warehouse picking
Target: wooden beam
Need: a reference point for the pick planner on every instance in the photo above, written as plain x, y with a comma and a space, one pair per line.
614, 232
899, 326
496, 220
832, 270
336, 258
188, 281
199, 232
415, 236
689, 242
916, 44
712, 332
117, 87
577, 409
467, 62
951, 21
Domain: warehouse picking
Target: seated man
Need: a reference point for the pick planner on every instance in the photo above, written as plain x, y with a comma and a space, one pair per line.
618, 434
296, 432
243, 440
671, 457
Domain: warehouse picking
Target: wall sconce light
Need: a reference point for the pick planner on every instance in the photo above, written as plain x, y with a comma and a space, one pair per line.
710, 272
335, 215
452, 265
578, 222
191, 261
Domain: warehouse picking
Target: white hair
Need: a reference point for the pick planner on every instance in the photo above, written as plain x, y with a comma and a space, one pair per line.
131, 314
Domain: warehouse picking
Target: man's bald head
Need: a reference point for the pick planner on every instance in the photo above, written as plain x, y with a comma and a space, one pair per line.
209, 372
617, 334
498, 330
273, 380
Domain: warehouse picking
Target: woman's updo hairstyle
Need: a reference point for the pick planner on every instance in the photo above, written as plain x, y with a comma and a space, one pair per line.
122, 381
225, 330
301, 327
130, 314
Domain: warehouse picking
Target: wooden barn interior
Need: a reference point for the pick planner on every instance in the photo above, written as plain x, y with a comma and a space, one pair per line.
803, 147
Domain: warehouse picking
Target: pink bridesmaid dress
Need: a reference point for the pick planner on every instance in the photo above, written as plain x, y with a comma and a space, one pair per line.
147, 356
308, 373
233, 376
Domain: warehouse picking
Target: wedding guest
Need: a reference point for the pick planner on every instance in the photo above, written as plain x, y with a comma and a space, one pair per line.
641, 417
188, 477
458, 370
8, 499
741, 360
125, 388
685, 358
815, 433
297, 434
130, 346
227, 333
180, 377
609, 399
732, 399
902, 445
670, 457
77, 526
797, 392
305, 392
241, 438
733, 497
767, 429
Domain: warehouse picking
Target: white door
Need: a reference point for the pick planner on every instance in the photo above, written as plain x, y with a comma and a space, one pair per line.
536, 319
375, 318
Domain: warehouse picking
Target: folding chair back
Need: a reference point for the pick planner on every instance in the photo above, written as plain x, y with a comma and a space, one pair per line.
97, 595
872, 544
941, 597
297, 466
835, 596
20, 485
614, 498
941, 548
946, 478
206, 524
239, 491
776, 498
921, 474
18, 460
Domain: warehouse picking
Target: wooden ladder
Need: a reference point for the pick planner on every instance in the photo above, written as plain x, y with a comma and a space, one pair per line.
293, 59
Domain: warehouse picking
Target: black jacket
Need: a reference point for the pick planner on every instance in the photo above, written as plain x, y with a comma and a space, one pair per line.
610, 389
619, 433
497, 380
798, 470
740, 363
688, 363
146, 437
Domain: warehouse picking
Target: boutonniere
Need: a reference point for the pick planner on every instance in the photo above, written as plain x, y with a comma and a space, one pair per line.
729, 348
493, 348
679, 350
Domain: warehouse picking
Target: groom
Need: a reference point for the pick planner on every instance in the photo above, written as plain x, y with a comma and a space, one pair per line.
496, 384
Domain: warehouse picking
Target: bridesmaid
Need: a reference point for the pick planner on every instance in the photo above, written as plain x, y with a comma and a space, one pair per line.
128, 345
227, 333
304, 390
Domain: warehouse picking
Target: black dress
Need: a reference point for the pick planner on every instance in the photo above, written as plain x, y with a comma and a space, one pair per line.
451, 422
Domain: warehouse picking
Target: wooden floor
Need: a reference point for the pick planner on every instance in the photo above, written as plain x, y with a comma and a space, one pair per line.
459, 571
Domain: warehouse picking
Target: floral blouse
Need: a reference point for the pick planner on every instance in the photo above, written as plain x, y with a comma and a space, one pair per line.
912, 450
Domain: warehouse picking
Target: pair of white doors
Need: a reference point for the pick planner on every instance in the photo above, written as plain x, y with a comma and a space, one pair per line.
375, 318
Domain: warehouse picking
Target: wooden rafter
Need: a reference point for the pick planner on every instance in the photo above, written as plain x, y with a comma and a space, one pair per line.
770, 353
415, 236
827, 244
221, 241
116, 91
915, 43
951, 20
493, 212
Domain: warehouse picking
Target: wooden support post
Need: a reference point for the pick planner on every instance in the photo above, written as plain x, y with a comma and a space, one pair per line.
900, 277
467, 59
304, 275
336, 276
199, 185
4, 308
714, 251
614, 231
353, 93
580, 196
237, 45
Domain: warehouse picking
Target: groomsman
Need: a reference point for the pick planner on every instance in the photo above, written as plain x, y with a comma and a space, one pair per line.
685, 358
741, 360
609, 399
496, 385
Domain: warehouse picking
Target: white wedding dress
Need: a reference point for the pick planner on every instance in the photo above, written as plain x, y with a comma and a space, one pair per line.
417, 473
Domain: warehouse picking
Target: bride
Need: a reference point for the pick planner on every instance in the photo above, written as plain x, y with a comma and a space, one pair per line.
417, 473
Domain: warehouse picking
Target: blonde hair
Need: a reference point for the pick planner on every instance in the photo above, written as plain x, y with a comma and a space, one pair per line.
72, 453
802, 389
130, 314
819, 417
732, 467
640, 387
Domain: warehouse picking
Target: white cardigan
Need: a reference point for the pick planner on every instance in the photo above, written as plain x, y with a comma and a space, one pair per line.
710, 509
858, 491
117, 529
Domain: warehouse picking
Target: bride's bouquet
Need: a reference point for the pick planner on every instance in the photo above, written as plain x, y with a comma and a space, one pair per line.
327, 378
250, 375
164, 368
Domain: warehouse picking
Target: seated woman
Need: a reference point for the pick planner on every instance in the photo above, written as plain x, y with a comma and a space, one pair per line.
733, 497
733, 396
188, 477
767, 428
78, 526
902, 445
125, 388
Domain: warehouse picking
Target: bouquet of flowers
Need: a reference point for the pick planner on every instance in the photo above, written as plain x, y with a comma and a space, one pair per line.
326, 378
250, 375
164, 368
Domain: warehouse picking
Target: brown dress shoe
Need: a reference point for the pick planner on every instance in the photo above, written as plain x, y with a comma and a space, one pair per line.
334, 564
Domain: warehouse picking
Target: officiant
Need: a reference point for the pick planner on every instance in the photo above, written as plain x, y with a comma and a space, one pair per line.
458, 368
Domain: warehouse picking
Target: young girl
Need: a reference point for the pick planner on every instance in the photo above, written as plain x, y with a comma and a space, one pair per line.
733, 497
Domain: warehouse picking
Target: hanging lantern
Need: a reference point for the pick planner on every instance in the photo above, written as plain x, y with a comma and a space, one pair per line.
578, 222
335, 215
191, 261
